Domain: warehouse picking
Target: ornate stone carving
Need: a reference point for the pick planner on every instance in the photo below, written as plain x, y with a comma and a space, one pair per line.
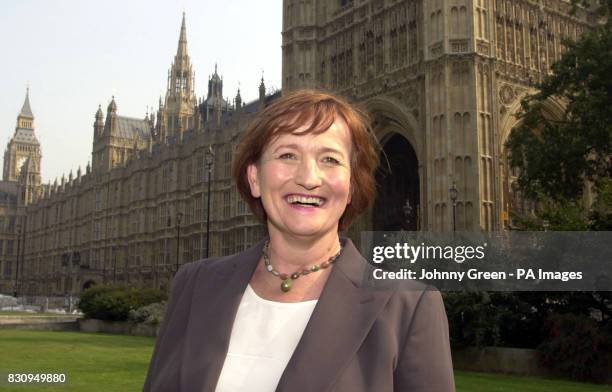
482, 48
459, 45
436, 49
506, 95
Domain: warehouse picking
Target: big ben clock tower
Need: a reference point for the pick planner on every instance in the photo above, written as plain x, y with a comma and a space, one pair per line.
23, 145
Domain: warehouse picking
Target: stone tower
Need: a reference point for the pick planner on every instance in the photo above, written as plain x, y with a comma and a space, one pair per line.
442, 80
23, 146
118, 138
176, 115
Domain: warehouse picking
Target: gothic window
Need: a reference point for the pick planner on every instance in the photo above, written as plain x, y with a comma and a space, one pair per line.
98, 199
500, 37
542, 45
533, 48
341, 70
189, 170
349, 66
369, 51
362, 57
378, 47
393, 34
322, 77
227, 205
227, 164
241, 208
334, 71
520, 48
510, 42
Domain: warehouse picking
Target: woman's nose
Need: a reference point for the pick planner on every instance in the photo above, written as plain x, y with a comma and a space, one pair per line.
308, 174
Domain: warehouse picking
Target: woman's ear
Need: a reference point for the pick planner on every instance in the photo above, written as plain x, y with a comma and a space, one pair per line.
252, 176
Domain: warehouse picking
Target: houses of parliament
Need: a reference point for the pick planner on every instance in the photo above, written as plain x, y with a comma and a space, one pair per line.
442, 80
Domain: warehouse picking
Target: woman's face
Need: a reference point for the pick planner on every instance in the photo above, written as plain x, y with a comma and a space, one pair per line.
304, 181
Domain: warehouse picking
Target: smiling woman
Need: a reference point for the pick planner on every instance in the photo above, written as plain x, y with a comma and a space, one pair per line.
291, 313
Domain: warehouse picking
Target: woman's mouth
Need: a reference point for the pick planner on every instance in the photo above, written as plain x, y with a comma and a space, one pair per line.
305, 201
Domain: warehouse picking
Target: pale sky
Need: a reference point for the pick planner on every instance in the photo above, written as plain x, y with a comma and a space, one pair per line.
75, 55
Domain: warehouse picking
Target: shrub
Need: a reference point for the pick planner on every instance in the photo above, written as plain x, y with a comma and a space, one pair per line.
576, 346
151, 314
472, 319
114, 303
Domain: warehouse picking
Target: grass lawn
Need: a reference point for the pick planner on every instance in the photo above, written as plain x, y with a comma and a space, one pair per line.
103, 362
489, 382
92, 362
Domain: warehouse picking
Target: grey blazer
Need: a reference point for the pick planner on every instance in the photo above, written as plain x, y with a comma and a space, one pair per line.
357, 339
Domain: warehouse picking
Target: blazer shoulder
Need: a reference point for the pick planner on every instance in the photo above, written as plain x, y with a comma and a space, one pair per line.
211, 264
416, 295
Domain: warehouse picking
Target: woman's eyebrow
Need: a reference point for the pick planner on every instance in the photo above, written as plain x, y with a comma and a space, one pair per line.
292, 146
330, 149
320, 151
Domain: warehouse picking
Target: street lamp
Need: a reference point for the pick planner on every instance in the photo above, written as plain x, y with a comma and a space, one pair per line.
407, 208
209, 158
454, 192
114, 265
179, 216
17, 260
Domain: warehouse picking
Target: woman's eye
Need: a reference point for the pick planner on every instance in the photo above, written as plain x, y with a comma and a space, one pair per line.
331, 160
287, 155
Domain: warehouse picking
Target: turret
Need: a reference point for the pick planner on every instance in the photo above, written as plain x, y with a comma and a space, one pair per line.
111, 114
262, 93
99, 123
238, 102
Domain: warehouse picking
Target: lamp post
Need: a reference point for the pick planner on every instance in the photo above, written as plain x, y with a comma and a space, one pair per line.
179, 216
454, 192
407, 212
17, 260
209, 158
114, 265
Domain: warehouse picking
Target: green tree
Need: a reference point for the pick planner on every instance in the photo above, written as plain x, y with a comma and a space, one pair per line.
555, 157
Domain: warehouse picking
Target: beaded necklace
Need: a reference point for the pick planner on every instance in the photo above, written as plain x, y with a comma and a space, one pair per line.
288, 279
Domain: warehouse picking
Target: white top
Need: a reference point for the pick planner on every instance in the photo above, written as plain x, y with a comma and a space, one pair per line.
264, 336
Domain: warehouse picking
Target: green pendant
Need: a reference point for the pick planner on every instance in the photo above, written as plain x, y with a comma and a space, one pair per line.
286, 285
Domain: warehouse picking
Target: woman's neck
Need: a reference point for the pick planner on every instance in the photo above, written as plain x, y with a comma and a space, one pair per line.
288, 253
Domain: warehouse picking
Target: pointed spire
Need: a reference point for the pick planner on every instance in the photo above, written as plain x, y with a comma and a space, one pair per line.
112, 106
182, 44
262, 89
26, 110
238, 99
99, 114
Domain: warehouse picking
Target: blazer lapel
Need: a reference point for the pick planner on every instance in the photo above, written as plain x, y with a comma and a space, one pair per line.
213, 310
338, 325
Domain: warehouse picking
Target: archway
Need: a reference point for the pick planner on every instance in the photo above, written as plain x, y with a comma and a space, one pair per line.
88, 284
397, 203
511, 198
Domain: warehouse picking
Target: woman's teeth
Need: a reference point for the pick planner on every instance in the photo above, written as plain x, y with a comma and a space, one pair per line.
310, 200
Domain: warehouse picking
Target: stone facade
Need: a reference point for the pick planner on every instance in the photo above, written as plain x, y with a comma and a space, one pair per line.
19, 187
140, 210
443, 81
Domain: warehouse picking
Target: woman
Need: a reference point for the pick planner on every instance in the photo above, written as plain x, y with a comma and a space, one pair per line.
291, 313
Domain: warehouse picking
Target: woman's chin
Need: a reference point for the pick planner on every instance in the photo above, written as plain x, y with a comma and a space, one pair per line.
306, 230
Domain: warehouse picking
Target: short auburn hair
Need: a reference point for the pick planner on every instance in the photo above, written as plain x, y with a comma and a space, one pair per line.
320, 110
